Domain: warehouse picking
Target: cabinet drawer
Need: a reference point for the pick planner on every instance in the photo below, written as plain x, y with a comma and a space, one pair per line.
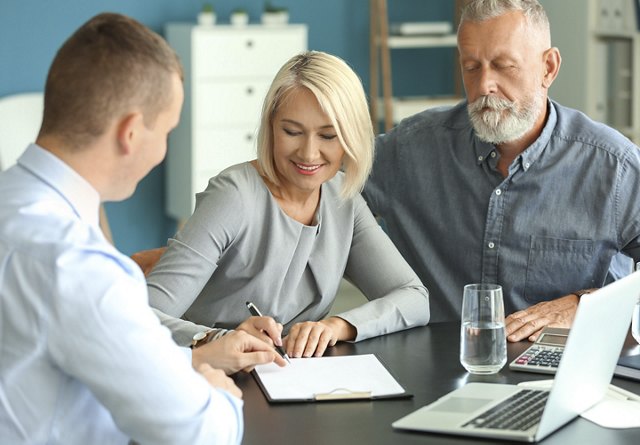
244, 53
217, 149
217, 103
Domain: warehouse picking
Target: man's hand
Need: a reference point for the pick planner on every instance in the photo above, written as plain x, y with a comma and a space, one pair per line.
236, 351
313, 337
529, 322
147, 259
218, 379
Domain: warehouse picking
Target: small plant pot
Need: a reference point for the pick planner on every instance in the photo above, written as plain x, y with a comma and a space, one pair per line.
206, 18
275, 18
239, 19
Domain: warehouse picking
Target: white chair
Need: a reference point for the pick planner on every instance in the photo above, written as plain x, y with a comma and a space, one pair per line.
20, 119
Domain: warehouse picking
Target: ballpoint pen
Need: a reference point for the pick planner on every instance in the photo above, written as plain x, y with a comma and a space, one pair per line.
256, 312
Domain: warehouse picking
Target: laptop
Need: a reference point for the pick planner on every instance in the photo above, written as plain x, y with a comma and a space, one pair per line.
598, 332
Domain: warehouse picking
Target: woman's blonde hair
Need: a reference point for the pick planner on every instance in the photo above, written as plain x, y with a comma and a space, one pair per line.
340, 94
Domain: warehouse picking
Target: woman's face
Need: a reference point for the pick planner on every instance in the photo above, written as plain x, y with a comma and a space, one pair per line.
306, 148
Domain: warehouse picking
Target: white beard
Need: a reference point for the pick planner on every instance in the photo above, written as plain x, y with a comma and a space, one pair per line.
502, 121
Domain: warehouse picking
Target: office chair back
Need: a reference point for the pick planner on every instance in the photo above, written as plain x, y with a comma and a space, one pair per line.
20, 118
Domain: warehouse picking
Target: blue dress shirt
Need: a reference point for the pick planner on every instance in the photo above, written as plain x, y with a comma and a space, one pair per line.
83, 359
551, 227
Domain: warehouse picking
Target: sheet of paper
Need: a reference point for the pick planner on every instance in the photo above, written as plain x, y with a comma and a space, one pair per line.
618, 409
612, 413
304, 378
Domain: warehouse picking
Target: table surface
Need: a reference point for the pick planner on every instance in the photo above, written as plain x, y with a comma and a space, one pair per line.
425, 361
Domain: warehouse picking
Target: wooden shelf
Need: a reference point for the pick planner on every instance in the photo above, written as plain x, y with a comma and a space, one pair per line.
381, 42
404, 107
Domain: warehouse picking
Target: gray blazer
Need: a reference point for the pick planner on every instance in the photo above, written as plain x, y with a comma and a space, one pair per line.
240, 246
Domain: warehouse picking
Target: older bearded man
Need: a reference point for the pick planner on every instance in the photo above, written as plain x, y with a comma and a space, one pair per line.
508, 187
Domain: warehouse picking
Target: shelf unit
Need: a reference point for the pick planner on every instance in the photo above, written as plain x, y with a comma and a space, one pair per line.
600, 71
390, 109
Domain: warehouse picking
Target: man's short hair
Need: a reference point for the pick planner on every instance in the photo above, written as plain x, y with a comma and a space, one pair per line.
110, 66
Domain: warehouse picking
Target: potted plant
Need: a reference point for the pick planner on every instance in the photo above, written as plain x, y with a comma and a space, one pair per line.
207, 15
239, 17
274, 15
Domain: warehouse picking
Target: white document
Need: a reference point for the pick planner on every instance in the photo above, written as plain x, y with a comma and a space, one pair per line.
619, 408
328, 378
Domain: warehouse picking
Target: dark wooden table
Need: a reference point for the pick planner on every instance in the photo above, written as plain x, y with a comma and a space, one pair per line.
425, 361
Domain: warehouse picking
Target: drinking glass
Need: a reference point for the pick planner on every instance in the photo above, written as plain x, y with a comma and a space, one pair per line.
483, 342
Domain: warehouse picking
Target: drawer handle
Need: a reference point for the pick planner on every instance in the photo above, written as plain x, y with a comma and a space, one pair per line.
249, 43
249, 137
249, 91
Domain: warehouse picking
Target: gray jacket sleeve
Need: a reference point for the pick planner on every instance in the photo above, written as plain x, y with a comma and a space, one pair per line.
397, 298
191, 259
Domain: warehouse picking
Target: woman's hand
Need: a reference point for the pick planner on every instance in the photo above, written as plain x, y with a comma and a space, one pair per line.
311, 338
264, 328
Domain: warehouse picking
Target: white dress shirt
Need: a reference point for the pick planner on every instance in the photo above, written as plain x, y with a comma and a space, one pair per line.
83, 359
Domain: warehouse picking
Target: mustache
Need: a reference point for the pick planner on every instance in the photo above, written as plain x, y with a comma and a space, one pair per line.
492, 102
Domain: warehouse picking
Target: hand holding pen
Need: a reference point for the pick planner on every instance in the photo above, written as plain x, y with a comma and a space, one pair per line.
275, 337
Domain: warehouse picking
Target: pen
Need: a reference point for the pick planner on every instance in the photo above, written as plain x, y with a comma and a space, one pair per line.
256, 312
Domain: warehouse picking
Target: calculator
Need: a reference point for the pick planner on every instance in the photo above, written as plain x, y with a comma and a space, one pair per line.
544, 355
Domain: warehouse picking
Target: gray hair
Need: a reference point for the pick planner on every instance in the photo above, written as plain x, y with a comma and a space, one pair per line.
481, 10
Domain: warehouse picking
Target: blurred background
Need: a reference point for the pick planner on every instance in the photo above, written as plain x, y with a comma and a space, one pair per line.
31, 31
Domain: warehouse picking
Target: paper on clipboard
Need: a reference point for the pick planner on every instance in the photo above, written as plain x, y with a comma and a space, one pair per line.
328, 378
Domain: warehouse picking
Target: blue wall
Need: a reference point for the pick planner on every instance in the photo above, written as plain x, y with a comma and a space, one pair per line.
32, 30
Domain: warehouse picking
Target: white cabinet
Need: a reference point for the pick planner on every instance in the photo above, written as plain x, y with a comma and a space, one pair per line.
228, 71
600, 72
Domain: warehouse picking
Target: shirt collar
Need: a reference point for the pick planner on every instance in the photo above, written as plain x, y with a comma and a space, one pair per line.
47, 167
531, 154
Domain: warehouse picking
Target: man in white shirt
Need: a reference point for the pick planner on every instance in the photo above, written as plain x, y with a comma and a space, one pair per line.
83, 359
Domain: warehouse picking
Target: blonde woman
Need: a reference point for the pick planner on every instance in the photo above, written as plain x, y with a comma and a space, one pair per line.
281, 231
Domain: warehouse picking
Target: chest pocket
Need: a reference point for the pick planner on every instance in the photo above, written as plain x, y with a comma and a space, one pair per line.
558, 266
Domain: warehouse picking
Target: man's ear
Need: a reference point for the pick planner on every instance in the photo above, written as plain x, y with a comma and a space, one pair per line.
552, 61
128, 130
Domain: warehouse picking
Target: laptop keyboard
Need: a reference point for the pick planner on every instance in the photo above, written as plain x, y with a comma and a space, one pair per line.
519, 412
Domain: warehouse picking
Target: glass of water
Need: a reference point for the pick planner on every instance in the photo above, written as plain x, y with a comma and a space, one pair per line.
483, 343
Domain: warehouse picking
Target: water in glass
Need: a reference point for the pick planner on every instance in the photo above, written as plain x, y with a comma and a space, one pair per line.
483, 344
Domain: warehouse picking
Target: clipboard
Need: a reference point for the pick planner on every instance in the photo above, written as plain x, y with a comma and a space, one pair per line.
328, 379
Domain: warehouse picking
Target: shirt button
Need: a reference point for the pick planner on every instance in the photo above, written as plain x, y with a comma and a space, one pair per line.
480, 158
491, 245
527, 165
493, 154
498, 192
